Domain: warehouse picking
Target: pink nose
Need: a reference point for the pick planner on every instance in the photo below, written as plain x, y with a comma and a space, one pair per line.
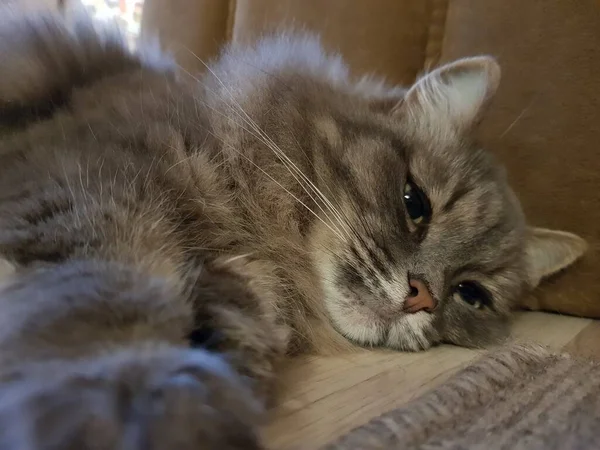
419, 298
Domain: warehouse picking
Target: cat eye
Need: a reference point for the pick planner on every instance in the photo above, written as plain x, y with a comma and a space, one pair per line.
473, 294
416, 203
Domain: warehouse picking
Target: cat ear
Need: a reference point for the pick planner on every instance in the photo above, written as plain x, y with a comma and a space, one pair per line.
550, 251
455, 93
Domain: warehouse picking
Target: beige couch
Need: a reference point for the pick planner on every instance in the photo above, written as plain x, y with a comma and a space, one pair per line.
544, 124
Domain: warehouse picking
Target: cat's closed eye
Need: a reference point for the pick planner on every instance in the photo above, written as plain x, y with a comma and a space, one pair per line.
417, 204
473, 294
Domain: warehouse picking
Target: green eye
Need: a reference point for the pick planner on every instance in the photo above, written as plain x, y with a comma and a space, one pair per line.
473, 294
416, 203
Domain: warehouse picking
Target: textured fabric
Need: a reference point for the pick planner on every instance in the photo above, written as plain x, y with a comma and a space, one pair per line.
543, 124
515, 398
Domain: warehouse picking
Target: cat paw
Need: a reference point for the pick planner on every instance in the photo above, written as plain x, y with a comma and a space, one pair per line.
168, 400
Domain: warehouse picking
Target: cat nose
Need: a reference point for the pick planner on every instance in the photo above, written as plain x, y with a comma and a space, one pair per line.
419, 299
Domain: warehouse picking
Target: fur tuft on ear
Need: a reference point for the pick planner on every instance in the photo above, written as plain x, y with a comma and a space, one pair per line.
380, 96
550, 251
455, 93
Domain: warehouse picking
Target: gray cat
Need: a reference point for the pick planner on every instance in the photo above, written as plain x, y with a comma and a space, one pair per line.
173, 239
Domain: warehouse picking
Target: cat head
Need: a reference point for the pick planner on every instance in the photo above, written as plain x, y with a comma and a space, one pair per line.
420, 238
430, 242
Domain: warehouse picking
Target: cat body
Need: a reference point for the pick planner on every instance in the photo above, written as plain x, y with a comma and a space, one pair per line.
270, 206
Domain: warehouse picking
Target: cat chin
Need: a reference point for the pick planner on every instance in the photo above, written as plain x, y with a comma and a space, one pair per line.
412, 332
358, 324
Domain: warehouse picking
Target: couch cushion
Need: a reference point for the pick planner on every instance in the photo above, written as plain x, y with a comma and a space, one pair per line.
387, 37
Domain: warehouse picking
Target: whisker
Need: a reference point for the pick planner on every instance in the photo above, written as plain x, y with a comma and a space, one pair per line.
276, 182
272, 145
519, 117
277, 153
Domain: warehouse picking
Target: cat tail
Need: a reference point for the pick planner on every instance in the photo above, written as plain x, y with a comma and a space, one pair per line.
44, 57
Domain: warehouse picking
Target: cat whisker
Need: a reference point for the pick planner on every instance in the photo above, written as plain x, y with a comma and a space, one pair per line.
281, 154
342, 218
181, 161
278, 152
285, 161
330, 225
336, 232
518, 118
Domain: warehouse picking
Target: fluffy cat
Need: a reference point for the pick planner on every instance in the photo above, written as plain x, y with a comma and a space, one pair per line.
174, 239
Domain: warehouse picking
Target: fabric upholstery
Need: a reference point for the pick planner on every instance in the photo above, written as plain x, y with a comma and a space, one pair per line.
544, 124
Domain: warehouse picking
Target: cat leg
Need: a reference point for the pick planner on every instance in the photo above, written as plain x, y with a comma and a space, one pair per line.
236, 313
94, 355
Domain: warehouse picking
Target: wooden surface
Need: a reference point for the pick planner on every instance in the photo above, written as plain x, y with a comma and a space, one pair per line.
324, 397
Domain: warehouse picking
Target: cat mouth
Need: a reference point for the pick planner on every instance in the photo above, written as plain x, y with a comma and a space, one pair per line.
358, 323
365, 328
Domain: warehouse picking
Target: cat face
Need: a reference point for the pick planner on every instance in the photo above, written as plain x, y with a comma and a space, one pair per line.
426, 242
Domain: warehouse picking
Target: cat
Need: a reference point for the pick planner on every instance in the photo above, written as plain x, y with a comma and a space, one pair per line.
174, 236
